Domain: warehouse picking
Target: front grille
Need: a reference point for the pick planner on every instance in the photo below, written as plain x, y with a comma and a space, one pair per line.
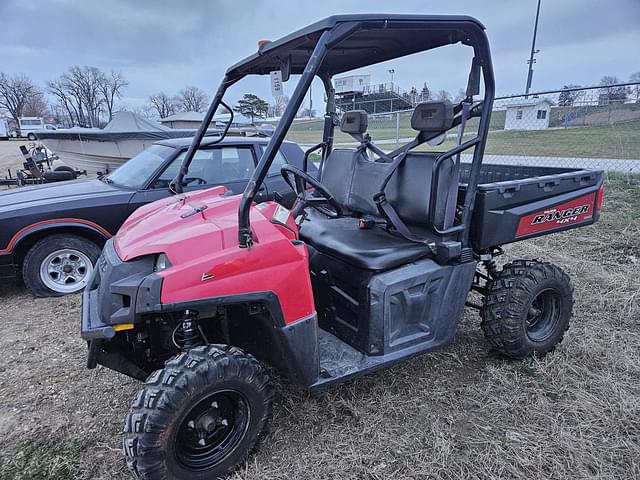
117, 284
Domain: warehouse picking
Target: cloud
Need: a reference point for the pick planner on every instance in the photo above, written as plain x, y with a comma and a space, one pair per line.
165, 44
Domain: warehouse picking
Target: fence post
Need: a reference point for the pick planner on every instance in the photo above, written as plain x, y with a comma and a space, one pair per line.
397, 128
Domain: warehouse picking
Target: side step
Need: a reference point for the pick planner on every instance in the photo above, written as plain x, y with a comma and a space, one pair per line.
340, 362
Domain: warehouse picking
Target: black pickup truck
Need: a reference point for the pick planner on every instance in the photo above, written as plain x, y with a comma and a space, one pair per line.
51, 235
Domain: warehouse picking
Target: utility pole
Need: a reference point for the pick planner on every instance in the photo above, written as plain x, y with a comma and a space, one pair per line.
532, 60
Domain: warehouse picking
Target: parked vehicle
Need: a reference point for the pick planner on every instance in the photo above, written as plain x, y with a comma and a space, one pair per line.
52, 234
372, 266
102, 150
29, 125
105, 149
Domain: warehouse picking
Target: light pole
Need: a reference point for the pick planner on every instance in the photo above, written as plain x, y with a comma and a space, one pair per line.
391, 72
532, 60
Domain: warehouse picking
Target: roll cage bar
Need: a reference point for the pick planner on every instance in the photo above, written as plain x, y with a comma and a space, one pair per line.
343, 43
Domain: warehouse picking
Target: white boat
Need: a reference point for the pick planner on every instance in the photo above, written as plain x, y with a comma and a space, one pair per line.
103, 150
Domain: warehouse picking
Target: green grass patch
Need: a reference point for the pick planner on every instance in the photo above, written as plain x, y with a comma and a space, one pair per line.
43, 460
619, 141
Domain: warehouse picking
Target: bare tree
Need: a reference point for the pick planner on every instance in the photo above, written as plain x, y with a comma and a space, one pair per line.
609, 94
462, 94
163, 104
193, 99
15, 92
111, 88
36, 106
569, 96
277, 107
65, 109
443, 95
79, 90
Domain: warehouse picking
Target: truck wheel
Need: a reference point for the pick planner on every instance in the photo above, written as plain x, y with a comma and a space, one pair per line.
59, 264
527, 308
199, 417
31, 137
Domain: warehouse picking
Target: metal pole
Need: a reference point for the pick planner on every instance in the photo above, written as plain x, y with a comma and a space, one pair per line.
533, 52
397, 128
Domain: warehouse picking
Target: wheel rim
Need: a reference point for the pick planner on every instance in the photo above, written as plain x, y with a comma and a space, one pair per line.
543, 315
65, 270
212, 430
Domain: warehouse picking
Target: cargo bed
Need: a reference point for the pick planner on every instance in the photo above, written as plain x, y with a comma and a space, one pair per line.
515, 202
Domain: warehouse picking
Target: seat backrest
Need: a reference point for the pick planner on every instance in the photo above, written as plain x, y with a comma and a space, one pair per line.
354, 179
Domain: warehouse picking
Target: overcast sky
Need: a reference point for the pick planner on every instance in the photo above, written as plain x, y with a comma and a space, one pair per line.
164, 45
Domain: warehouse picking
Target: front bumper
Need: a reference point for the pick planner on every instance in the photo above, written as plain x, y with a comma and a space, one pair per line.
118, 292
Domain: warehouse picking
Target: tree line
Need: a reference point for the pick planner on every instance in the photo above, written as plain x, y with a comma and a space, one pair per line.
608, 93
86, 96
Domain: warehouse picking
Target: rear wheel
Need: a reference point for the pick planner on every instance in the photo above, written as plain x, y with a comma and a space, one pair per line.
527, 308
59, 264
199, 417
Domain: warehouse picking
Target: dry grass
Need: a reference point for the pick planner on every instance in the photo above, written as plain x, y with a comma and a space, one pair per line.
462, 413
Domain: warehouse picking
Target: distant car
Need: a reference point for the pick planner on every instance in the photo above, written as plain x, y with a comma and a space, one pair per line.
29, 125
51, 235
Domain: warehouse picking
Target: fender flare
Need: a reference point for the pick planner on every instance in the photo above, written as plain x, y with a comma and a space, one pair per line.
291, 348
50, 224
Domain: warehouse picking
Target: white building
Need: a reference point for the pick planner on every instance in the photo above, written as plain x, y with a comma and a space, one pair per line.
528, 114
352, 83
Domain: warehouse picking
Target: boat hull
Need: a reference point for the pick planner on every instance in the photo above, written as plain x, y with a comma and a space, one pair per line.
96, 156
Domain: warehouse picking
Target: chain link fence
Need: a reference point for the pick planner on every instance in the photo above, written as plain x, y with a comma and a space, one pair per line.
590, 127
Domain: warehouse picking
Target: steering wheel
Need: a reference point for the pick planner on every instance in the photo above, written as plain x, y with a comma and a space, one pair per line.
304, 197
189, 180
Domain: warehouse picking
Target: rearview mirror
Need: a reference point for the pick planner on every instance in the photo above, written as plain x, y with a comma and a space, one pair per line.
285, 68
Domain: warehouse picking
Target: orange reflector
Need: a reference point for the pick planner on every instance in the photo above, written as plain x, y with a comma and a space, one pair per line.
262, 43
123, 326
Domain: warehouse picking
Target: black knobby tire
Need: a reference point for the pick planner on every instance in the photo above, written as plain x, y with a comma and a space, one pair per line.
42, 249
156, 438
527, 308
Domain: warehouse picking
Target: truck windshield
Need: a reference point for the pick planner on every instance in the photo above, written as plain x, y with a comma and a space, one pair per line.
135, 172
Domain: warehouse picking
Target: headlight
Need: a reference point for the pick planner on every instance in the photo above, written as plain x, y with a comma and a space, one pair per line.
162, 262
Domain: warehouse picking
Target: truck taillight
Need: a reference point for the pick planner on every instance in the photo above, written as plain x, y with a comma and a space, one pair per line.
600, 197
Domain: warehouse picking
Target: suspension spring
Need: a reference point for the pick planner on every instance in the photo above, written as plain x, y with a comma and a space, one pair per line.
190, 334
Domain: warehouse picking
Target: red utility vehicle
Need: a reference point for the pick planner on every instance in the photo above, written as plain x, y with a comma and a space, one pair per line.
372, 266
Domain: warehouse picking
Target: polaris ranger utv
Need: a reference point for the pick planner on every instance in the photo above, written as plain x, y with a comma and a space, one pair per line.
373, 265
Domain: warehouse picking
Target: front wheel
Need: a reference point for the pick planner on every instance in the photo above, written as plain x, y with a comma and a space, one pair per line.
199, 417
527, 308
31, 137
59, 264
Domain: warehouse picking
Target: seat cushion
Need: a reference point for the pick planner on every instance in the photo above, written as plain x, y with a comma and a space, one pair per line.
370, 249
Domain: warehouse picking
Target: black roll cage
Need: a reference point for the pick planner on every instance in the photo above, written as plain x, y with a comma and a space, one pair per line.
332, 31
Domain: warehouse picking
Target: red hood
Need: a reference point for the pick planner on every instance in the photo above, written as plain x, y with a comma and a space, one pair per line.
159, 226
199, 235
